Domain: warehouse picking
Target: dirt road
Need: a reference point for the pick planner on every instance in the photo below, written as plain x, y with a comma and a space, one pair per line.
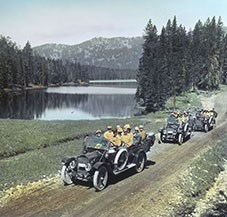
150, 193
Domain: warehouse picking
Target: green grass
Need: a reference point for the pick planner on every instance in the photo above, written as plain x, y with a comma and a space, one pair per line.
20, 136
201, 176
184, 101
35, 165
43, 144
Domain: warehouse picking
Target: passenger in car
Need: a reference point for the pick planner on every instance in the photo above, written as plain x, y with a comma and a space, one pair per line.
137, 136
143, 133
181, 119
109, 135
127, 137
206, 114
117, 140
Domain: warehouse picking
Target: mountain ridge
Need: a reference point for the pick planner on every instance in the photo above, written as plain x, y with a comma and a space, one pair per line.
116, 52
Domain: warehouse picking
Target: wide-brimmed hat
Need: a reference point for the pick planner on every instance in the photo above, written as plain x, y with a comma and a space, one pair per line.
98, 131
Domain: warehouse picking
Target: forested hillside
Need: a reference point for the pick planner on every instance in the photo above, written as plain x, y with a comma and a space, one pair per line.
176, 61
22, 68
116, 53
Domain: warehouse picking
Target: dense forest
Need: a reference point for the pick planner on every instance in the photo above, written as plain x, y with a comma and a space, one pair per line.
176, 61
23, 68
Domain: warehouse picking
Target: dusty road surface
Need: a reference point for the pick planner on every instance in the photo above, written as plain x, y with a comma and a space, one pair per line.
150, 193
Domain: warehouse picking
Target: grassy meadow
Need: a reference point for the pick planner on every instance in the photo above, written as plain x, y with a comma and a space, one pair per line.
31, 150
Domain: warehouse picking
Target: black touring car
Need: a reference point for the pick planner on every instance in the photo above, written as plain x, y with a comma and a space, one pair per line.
100, 159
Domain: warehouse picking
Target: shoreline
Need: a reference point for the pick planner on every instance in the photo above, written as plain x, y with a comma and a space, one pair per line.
40, 87
19, 89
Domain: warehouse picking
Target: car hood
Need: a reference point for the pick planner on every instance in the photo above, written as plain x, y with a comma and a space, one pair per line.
171, 127
88, 157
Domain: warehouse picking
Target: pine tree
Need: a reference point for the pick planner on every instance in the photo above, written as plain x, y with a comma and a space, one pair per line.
146, 74
224, 65
27, 73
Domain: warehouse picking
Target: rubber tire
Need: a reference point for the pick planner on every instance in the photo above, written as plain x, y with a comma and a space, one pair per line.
67, 180
97, 178
180, 139
140, 162
117, 157
214, 123
162, 139
210, 120
185, 127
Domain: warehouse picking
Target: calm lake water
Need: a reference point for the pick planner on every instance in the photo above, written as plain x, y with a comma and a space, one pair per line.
71, 103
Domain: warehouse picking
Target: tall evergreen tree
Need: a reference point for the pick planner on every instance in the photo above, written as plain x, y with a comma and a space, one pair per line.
224, 59
147, 67
27, 72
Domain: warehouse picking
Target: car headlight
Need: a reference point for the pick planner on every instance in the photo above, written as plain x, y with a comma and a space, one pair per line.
72, 164
88, 167
106, 155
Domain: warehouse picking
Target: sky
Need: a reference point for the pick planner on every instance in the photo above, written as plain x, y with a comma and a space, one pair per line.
75, 21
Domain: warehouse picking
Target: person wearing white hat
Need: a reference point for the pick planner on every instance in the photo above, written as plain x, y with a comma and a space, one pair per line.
109, 135
142, 133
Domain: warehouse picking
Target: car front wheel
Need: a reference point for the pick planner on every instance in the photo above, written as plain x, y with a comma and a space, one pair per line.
66, 176
180, 139
100, 178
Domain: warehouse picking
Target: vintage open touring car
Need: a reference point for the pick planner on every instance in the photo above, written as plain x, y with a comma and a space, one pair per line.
204, 120
101, 159
175, 131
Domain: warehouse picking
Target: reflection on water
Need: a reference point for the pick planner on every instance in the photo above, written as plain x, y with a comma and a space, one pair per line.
92, 90
70, 103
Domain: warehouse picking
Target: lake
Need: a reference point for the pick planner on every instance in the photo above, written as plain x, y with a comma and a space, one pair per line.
98, 101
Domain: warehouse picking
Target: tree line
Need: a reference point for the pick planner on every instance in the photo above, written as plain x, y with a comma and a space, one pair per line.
23, 67
176, 61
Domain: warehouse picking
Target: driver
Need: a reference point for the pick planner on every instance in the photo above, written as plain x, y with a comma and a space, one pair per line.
99, 138
206, 114
181, 119
186, 115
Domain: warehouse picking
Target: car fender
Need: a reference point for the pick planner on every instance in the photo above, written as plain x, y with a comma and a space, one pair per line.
98, 164
66, 161
185, 127
137, 154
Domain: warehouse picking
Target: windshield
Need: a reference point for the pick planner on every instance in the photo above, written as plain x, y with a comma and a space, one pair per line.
172, 120
97, 142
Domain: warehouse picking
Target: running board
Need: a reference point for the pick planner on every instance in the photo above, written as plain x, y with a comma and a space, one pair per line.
129, 166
